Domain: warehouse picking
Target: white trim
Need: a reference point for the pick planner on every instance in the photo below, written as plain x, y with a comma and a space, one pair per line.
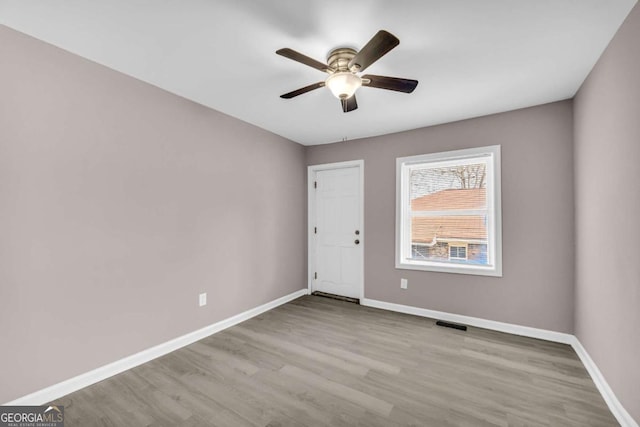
404, 165
621, 414
509, 328
311, 175
63, 388
603, 387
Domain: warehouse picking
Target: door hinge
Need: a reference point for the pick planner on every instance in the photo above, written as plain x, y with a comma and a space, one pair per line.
315, 230
315, 275
315, 184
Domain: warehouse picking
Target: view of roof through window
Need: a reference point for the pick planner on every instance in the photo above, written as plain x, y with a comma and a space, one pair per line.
449, 213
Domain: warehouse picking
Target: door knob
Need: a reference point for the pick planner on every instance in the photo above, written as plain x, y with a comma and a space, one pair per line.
357, 242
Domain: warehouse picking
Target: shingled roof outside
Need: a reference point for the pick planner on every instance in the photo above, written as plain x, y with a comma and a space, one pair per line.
467, 227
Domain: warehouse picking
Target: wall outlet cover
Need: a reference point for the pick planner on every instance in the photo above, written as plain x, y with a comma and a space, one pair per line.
202, 299
404, 283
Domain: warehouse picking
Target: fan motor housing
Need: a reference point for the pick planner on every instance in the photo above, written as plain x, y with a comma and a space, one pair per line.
339, 58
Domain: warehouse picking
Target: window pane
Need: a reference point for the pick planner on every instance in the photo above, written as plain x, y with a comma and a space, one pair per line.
449, 212
431, 180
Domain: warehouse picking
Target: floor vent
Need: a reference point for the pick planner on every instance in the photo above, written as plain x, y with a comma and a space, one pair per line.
451, 325
338, 297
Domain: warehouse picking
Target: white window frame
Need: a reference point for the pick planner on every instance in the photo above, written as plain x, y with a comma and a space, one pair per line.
490, 154
466, 251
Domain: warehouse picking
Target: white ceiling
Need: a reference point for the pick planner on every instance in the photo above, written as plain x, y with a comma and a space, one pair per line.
472, 57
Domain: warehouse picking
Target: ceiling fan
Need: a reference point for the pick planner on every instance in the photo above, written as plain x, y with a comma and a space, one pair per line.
344, 64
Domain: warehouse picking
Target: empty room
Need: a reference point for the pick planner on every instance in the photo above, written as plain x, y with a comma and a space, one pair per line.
322, 213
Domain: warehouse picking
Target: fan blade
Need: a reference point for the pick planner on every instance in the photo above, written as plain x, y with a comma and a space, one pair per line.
349, 104
302, 90
377, 47
303, 59
390, 83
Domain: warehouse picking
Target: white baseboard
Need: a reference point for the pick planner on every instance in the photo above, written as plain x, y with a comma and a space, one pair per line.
509, 328
63, 388
609, 397
621, 414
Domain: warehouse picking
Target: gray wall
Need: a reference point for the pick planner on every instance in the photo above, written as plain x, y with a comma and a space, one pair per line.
537, 203
119, 203
607, 161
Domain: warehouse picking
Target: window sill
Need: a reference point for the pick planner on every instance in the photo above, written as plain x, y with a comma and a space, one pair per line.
474, 270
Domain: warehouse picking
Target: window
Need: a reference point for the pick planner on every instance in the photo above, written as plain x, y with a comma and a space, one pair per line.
448, 212
457, 252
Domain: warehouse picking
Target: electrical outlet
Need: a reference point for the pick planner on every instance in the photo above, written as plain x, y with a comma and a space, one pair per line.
202, 299
403, 283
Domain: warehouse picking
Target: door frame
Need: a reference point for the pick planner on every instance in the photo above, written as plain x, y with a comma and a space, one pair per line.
311, 215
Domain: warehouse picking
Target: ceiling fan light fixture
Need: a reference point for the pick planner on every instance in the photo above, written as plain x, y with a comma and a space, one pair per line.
343, 84
344, 65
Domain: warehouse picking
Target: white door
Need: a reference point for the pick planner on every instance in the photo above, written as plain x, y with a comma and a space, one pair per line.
336, 246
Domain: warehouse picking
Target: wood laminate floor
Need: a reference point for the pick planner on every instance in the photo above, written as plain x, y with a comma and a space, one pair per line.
317, 362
